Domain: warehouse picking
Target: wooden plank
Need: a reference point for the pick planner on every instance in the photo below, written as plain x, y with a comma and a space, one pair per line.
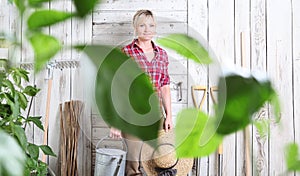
176, 108
242, 59
127, 29
76, 90
4, 30
14, 22
221, 41
97, 121
177, 67
15, 29
279, 52
82, 34
98, 133
4, 16
197, 74
109, 16
155, 5
61, 80
296, 70
113, 40
40, 104
27, 55
260, 154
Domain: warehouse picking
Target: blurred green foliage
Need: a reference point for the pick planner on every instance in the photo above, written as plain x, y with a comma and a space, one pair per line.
124, 93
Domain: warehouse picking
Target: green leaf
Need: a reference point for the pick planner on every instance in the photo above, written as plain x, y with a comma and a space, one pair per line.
47, 150
22, 73
22, 100
37, 121
1, 78
37, 3
292, 157
44, 18
20, 134
7, 83
276, 107
5, 110
195, 136
17, 79
14, 104
12, 157
45, 47
84, 7
33, 151
117, 79
239, 98
31, 163
186, 46
21, 5
79, 47
9, 98
42, 169
31, 91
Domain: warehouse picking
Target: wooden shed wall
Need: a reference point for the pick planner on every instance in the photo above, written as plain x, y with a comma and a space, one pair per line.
271, 30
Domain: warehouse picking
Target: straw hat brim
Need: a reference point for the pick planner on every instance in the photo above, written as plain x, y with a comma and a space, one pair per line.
183, 166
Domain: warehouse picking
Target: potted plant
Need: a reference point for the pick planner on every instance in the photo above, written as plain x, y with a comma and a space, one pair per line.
13, 105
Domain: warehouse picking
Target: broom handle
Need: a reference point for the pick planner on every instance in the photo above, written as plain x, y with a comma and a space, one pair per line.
47, 116
246, 130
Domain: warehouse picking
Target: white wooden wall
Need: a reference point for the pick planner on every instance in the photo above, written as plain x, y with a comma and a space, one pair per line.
65, 86
271, 30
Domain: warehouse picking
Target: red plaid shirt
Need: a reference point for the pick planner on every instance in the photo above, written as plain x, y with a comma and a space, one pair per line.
157, 69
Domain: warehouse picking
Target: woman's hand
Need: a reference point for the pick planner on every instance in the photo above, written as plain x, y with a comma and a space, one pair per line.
168, 124
115, 133
166, 100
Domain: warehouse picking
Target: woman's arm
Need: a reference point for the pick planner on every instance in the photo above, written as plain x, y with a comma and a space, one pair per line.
166, 100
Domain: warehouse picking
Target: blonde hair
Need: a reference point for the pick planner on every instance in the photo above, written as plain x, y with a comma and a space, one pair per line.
139, 13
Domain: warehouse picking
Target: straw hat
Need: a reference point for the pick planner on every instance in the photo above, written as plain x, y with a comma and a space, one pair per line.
163, 156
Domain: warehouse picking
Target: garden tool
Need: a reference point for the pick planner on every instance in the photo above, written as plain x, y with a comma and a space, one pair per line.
220, 148
49, 78
199, 106
50, 67
199, 88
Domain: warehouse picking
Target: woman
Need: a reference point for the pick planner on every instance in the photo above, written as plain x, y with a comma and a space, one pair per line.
154, 61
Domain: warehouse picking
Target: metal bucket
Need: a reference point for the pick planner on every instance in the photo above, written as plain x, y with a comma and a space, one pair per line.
110, 161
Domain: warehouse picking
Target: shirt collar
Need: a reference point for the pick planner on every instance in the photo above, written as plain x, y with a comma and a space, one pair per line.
134, 44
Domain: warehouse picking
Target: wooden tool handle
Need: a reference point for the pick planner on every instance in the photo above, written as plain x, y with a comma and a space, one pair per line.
47, 116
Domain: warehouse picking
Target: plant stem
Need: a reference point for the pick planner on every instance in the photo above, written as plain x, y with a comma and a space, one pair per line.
29, 108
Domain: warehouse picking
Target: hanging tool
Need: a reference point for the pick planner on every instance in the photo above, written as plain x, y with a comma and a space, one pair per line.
199, 88
49, 78
61, 64
178, 87
199, 106
220, 148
